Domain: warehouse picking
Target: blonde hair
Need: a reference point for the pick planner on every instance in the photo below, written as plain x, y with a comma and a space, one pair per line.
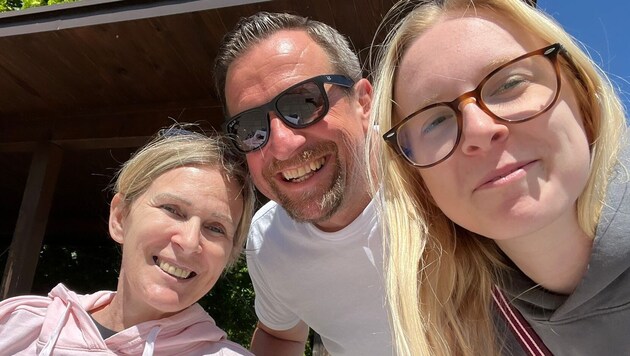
439, 275
178, 146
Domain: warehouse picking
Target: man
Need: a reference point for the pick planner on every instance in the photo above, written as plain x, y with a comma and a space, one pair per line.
297, 105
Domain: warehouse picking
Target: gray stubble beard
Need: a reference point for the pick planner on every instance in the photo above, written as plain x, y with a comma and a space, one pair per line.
329, 203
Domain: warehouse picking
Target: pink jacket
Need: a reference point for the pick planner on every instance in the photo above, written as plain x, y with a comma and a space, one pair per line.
60, 325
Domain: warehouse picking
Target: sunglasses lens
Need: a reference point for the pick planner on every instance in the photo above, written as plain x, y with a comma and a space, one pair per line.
302, 105
250, 130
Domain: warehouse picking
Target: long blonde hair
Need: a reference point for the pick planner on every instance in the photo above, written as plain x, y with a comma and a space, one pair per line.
439, 275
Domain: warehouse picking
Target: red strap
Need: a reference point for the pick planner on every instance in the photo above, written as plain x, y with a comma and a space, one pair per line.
525, 335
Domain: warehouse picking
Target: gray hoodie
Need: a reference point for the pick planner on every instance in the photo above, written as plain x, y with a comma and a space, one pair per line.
595, 318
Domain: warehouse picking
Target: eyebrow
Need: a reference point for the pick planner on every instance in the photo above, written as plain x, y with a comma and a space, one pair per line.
163, 196
487, 68
227, 218
497, 62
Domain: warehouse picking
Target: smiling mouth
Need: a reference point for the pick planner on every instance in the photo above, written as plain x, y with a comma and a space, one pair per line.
174, 271
304, 172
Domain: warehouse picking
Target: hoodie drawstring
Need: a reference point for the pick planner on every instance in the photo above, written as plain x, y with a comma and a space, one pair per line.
149, 345
52, 340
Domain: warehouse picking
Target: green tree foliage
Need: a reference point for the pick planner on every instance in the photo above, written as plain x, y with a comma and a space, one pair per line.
231, 304
34, 3
10, 5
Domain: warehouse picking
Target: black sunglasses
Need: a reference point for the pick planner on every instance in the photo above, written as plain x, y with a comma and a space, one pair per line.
298, 106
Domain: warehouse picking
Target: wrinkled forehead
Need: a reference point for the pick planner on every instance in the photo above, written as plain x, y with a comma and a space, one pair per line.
271, 66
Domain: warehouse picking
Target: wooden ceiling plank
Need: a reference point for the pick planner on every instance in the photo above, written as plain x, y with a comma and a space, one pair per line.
156, 60
191, 42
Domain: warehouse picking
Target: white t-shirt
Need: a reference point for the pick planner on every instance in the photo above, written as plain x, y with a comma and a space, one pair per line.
332, 281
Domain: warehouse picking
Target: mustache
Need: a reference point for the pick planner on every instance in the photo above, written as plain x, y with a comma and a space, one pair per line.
308, 154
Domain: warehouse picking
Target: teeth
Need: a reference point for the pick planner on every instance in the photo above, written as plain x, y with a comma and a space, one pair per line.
174, 270
298, 174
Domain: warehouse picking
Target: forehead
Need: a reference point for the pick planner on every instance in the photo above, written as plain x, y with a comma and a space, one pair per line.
457, 52
272, 65
196, 181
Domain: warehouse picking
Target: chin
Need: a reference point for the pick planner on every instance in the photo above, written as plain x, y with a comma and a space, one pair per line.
170, 307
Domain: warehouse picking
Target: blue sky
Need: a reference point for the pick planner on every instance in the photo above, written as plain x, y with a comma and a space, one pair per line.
603, 26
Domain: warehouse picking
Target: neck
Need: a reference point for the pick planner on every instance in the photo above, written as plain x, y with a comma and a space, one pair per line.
124, 311
359, 194
110, 316
346, 214
555, 257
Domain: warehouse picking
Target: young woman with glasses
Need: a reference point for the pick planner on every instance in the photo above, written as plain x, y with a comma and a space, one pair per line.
504, 184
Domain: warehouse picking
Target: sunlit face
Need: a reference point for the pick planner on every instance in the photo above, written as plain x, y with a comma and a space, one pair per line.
312, 172
176, 238
503, 181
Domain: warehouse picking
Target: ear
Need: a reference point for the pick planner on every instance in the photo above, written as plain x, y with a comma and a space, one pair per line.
363, 91
116, 218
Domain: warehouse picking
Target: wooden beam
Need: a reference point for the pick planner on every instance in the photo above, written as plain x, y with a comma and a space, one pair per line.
32, 219
119, 125
79, 144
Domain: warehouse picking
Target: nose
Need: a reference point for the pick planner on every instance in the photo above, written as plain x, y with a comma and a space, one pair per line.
188, 236
480, 131
283, 140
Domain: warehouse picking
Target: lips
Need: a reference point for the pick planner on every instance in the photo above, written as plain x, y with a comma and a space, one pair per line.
302, 173
173, 270
505, 172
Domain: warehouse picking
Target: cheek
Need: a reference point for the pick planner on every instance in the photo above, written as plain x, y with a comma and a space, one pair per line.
219, 251
345, 119
216, 256
255, 162
568, 111
571, 139
441, 185
352, 136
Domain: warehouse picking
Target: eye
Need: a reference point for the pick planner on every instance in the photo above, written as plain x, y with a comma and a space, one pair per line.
216, 230
433, 124
172, 210
513, 83
508, 85
436, 121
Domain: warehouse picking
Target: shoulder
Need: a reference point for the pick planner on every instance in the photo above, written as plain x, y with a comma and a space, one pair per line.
32, 304
22, 319
267, 211
270, 220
